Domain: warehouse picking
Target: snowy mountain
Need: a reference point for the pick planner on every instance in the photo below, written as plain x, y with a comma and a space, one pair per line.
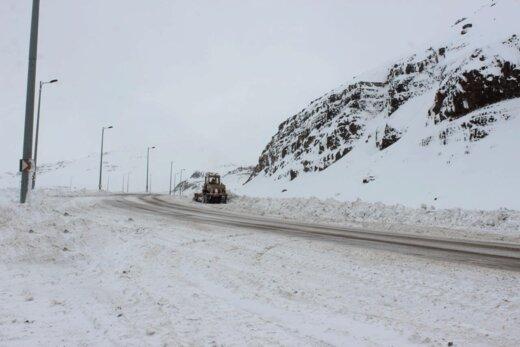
121, 168
125, 170
446, 113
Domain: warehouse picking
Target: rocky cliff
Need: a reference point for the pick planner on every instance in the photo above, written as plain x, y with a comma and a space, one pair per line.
459, 78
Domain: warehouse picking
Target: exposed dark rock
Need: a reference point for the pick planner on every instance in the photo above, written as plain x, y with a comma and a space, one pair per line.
445, 134
426, 141
472, 90
306, 165
241, 170
405, 80
389, 137
368, 179
476, 127
459, 21
186, 185
197, 174
304, 132
465, 28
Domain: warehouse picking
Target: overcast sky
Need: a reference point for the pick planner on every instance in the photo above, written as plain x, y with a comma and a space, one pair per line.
206, 81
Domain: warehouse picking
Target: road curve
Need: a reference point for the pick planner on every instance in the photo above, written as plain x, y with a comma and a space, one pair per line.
490, 254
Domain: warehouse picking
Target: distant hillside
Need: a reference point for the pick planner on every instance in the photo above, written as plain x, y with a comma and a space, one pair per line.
232, 176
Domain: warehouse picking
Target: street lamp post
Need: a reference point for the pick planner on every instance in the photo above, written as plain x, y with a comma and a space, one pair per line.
174, 182
29, 100
180, 182
101, 156
38, 130
171, 173
148, 166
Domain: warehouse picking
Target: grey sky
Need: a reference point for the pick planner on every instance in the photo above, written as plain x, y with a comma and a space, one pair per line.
202, 79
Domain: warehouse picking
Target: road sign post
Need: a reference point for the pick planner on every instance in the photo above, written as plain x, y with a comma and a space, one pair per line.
26, 165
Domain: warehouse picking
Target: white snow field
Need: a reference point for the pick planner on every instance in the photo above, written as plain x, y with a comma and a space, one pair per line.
76, 271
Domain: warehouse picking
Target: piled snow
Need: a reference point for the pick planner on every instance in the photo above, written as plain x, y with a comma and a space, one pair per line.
92, 274
502, 224
23, 239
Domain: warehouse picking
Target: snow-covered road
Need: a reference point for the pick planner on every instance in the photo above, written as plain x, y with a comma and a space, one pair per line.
78, 271
505, 255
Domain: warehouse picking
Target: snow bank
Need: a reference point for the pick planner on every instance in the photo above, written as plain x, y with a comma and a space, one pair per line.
502, 224
40, 231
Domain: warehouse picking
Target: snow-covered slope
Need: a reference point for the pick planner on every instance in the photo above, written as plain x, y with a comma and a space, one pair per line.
126, 170
440, 126
83, 172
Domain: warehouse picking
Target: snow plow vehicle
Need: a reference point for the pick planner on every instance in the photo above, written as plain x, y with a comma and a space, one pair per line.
213, 190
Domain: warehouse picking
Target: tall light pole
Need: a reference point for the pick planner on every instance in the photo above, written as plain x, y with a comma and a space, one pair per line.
29, 101
101, 156
180, 182
171, 173
148, 166
38, 130
174, 182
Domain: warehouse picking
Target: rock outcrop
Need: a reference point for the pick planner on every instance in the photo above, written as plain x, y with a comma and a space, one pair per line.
469, 71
